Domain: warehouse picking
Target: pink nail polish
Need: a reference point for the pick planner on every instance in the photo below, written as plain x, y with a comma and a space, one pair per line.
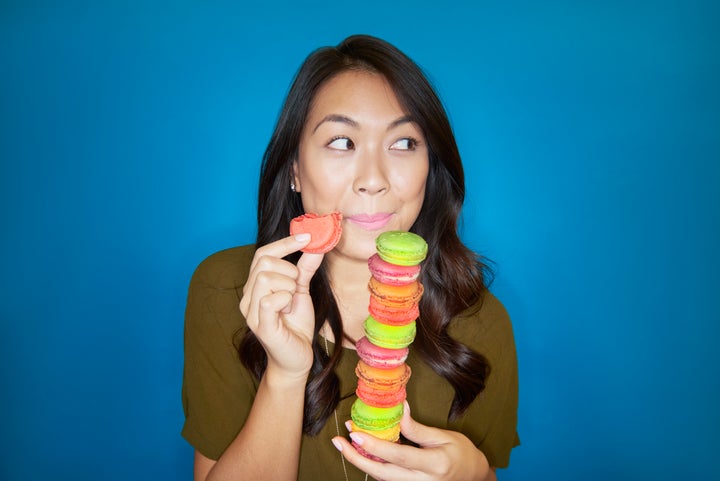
356, 438
337, 445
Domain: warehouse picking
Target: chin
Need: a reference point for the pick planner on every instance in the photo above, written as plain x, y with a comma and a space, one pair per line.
357, 249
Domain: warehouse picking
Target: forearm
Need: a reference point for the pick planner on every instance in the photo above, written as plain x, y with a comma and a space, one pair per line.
268, 446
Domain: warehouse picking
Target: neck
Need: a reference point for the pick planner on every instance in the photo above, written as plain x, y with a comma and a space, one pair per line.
349, 283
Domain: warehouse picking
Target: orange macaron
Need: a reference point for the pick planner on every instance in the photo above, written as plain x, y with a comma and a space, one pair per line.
397, 297
384, 379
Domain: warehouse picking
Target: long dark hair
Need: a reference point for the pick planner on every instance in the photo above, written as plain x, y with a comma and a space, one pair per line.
453, 276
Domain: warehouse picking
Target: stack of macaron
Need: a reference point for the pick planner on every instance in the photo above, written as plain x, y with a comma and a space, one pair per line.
390, 328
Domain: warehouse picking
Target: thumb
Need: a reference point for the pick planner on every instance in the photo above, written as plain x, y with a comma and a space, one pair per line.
420, 434
307, 266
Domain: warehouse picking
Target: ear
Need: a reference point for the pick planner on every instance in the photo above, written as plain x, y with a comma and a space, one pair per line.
294, 176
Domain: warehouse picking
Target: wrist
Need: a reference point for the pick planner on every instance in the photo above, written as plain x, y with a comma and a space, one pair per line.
280, 379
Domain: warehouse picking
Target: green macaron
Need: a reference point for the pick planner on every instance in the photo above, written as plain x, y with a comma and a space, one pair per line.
387, 336
374, 418
401, 248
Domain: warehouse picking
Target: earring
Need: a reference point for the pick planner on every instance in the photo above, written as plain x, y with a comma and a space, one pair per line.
292, 186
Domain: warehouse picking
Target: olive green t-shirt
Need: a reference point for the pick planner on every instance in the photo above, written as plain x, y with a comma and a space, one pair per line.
218, 391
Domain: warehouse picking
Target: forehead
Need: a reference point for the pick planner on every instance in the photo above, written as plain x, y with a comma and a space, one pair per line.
356, 92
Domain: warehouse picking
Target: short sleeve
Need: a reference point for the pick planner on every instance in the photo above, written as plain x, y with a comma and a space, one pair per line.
491, 420
217, 390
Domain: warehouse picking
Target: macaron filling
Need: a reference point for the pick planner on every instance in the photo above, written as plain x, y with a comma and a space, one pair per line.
390, 337
401, 248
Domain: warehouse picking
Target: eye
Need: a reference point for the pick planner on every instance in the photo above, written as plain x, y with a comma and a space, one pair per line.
341, 143
407, 143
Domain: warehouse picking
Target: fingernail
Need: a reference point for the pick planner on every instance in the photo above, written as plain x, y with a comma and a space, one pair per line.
357, 439
302, 237
348, 426
337, 445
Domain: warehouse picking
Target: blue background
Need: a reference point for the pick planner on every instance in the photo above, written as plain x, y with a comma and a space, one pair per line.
130, 139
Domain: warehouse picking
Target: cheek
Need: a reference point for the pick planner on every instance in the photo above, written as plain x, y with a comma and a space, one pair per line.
321, 189
323, 184
411, 186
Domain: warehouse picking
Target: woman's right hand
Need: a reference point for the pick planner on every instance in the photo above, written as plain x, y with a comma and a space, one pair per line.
277, 306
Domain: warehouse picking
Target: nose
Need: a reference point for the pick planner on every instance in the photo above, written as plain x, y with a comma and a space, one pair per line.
371, 176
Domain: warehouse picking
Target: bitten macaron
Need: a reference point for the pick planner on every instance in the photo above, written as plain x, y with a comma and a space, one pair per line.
324, 230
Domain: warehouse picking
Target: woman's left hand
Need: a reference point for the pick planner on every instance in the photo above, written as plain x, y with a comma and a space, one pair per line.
442, 455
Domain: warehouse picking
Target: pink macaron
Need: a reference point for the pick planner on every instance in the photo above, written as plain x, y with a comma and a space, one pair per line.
392, 274
380, 357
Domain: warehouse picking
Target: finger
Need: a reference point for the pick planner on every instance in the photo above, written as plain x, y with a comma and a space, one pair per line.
376, 469
269, 258
420, 434
266, 283
282, 247
408, 457
403, 458
307, 266
269, 323
265, 266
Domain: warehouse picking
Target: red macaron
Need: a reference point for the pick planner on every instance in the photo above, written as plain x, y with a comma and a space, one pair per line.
324, 230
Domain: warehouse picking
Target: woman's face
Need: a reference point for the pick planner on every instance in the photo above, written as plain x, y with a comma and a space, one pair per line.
360, 154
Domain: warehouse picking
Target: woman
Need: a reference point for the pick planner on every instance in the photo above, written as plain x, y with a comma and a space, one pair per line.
268, 387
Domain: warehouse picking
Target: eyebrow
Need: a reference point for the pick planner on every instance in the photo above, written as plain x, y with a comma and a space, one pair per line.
348, 121
336, 118
402, 120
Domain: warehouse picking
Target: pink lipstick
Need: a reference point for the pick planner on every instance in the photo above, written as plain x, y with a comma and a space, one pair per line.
370, 221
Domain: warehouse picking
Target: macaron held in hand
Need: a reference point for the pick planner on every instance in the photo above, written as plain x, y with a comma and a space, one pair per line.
324, 230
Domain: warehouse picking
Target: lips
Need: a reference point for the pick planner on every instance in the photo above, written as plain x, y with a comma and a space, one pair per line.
370, 221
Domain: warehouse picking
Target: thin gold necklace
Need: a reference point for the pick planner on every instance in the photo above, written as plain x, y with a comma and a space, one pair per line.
337, 424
